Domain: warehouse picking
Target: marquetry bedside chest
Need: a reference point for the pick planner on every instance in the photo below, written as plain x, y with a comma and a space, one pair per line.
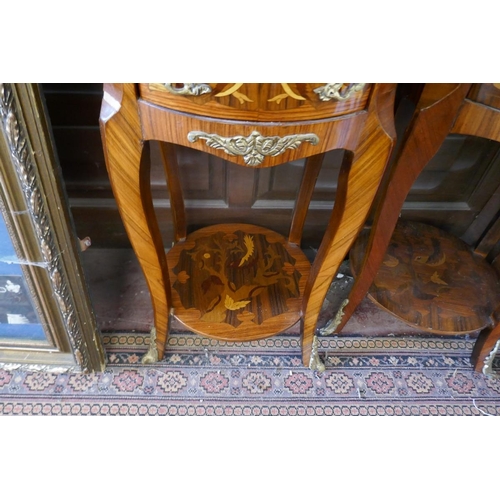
241, 282
419, 273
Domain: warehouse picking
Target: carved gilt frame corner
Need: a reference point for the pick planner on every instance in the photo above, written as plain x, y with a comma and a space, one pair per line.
33, 205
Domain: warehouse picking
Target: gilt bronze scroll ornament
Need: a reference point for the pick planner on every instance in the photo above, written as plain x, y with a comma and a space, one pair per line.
189, 88
254, 147
337, 91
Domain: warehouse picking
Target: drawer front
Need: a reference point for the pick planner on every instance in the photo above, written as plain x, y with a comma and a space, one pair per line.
485, 93
259, 101
251, 144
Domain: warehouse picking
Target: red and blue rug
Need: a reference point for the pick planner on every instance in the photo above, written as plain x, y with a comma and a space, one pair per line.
199, 376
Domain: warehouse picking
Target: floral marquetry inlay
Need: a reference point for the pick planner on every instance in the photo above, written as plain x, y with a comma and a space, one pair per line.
336, 91
260, 101
233, 90
432, 280
240, 278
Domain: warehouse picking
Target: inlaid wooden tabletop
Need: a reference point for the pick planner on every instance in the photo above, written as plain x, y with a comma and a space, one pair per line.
432, 280
237, 281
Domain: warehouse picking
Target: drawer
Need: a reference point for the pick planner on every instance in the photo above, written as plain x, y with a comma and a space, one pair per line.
259, 101
485, 93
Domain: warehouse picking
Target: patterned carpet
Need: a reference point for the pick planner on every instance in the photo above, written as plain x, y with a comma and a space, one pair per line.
198, 376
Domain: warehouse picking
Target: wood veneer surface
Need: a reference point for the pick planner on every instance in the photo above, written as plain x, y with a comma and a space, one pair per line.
432, 280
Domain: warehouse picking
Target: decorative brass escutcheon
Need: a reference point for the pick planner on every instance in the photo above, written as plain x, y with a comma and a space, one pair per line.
191, 89
337, 92
254, 147
488, 362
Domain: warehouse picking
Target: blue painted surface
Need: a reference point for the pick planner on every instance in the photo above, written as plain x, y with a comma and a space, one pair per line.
7, 252
25, 331
30, 331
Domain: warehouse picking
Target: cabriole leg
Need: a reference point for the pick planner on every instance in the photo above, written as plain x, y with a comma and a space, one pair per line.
127, 161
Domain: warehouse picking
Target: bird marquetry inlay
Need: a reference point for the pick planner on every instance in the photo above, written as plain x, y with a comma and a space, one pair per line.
238, 278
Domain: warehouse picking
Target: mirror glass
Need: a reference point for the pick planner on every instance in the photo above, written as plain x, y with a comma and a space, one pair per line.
19, 320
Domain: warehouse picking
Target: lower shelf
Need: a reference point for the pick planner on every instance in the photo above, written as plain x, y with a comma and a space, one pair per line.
432, 280
237, 282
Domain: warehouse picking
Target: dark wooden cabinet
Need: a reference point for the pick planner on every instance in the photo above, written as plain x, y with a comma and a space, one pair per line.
455, 192
456, 184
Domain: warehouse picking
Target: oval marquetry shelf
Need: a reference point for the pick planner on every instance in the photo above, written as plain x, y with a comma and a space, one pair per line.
432, 280
237, 282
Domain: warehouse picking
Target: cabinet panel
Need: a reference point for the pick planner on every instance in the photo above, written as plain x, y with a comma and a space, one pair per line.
455, 191
456, 184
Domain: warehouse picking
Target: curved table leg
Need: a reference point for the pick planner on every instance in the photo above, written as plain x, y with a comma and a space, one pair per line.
485, 349
127, 161
429, 128
357, 185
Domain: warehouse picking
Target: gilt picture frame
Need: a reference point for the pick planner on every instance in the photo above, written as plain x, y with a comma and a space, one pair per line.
45, 247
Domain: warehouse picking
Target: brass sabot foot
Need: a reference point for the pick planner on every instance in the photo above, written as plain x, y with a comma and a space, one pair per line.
315, 363
152, 355
488, 362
